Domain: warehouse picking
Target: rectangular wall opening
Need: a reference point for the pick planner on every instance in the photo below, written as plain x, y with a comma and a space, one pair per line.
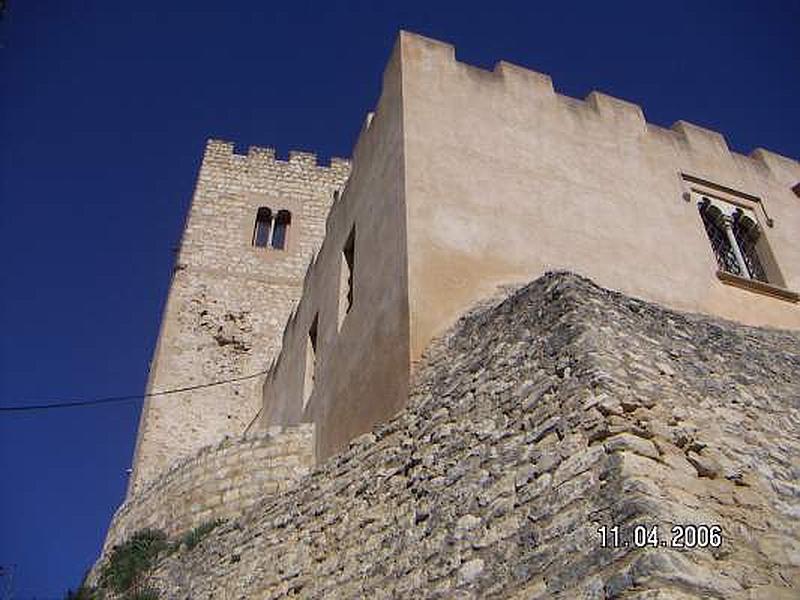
311, 362
346, 270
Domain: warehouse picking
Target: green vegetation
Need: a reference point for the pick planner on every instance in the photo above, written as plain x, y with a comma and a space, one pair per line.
196, 535
127, 568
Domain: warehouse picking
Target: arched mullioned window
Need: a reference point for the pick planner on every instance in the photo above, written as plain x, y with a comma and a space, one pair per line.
270, 230
734, 237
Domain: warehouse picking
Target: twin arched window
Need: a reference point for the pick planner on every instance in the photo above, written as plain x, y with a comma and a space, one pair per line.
271, 230
733, 236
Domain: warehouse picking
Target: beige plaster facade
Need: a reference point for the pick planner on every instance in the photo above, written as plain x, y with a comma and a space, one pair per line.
507, 179
466, 180
361, 370
463, 180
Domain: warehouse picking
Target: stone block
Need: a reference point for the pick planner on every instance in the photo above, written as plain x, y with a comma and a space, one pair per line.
632, 443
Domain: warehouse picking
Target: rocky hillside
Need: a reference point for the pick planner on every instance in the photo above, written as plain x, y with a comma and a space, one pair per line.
563, 409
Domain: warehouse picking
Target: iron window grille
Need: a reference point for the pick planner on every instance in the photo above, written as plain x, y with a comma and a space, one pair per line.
733, 236
746, 234
723, 251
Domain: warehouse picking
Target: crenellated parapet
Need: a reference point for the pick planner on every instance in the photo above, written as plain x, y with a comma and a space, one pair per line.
598, 108
221, 154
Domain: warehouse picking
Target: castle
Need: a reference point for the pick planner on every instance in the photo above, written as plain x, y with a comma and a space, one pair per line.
314, 291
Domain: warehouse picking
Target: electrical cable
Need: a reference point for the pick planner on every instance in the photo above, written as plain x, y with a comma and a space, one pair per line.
116, 399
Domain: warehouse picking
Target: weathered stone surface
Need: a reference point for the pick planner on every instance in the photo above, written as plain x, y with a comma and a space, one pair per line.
633, 443
476, 491
219, 482
229, 300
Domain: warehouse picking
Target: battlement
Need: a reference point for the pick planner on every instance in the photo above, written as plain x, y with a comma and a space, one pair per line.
221, 150
625, 116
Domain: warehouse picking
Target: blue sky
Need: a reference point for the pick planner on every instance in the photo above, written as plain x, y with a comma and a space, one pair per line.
105, 107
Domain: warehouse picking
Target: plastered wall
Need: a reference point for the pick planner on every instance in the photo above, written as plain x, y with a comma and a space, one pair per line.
361, 374
467, 180
506, 179
229, 301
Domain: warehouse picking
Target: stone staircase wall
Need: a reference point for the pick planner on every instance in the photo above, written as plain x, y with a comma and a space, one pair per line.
219, 482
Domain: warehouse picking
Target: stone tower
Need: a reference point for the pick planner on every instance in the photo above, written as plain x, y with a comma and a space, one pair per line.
253, 225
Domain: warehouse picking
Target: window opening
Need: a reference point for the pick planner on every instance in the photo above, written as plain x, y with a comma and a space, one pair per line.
311, 362
263, 226
346, 276
720, 242
746, 233
269, 231
280, 228
734, 237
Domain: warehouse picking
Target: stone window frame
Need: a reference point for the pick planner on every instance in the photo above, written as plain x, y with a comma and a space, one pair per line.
271, 221
734, 235
734, 210
246, 224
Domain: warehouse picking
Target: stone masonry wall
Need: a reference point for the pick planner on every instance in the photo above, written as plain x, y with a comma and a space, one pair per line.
562, 409
229, 301
220, 482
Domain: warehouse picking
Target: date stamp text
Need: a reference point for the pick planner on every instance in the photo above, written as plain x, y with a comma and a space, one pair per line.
683, 537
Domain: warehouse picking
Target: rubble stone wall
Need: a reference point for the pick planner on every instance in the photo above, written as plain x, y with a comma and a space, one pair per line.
562, 409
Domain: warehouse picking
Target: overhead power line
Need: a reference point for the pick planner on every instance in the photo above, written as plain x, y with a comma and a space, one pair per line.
117, 399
